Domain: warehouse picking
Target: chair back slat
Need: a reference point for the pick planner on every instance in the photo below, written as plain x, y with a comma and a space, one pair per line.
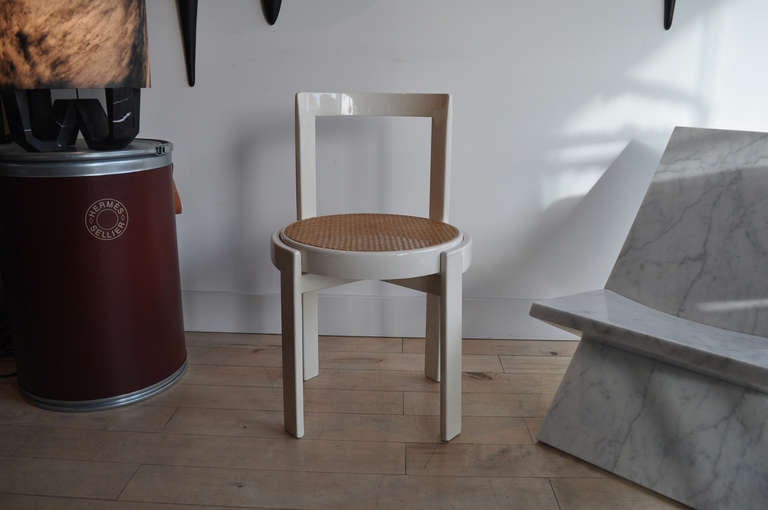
310, 105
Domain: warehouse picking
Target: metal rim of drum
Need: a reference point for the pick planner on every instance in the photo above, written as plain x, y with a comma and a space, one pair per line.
105, 403
140, 155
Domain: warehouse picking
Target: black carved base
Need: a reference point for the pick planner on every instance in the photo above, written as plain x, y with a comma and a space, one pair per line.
41, 125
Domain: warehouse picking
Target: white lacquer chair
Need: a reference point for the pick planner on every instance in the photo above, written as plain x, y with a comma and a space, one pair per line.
426, 254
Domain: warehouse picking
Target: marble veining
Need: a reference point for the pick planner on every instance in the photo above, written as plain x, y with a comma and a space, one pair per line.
699, 245
694, 438
613, 319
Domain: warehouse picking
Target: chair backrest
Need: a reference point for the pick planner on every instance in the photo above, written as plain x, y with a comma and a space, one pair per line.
698, 248
310, 105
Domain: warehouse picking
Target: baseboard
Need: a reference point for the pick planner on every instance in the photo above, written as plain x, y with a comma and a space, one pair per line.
363, 315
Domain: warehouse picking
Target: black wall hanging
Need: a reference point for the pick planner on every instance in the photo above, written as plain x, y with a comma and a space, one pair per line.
669, 13
188, 20
271, 10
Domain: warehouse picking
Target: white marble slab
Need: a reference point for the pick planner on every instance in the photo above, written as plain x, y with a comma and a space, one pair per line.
698, 248
693, 438
669, 387
621, 322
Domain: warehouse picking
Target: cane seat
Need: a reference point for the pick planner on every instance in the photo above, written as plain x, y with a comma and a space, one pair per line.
371, 232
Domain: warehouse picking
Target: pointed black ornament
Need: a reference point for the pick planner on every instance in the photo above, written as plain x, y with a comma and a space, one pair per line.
271, 10
669, 13
188, 20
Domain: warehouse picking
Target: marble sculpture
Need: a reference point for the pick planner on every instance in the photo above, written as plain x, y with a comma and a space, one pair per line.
669, 386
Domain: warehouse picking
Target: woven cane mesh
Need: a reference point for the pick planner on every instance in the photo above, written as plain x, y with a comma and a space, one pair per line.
371, 232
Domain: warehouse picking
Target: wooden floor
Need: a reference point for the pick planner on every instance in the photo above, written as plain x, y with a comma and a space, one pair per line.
215, 440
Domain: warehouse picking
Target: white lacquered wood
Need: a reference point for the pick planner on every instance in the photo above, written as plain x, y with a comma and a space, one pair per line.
371, 104
306, 160
310, 282
450, 344
309, 327
440, 163
432, 345
436, 270
293, 372
367, 265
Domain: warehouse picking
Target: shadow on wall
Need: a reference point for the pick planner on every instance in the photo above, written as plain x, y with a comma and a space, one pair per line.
569, 243
587, 231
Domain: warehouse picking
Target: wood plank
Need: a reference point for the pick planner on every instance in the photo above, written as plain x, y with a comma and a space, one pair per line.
230, 487
25, 502
535, 364
16, 411
399, 361
208, 339
430, 493
482, 404
533, 424
271, 399
334, 491
381, 380
347, 427
257, 356
494, 460
11, 438
277, 453
230, 422
608, 494
237, 355
269, 377
472, 382
386, 380
524, 493
64, 477
360, 344
328, 343
493, 382
508, 347
226, 414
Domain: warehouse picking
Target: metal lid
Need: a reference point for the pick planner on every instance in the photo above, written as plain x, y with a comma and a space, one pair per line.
141, 154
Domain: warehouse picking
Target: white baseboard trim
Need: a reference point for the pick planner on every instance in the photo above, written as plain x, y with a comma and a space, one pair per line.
393, 316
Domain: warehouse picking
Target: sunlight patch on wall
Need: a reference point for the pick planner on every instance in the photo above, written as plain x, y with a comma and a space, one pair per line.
608, 117
666, 88
579, 168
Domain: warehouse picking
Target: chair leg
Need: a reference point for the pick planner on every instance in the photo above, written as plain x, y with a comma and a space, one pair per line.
309, 325
432, 346
450, 345
293, 381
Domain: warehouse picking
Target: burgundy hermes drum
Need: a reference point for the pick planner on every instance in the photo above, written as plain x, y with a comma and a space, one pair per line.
90, 265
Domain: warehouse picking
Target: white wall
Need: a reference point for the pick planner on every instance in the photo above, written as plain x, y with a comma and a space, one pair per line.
562, 109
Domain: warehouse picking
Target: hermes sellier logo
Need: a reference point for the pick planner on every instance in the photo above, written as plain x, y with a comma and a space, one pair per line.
106, 219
